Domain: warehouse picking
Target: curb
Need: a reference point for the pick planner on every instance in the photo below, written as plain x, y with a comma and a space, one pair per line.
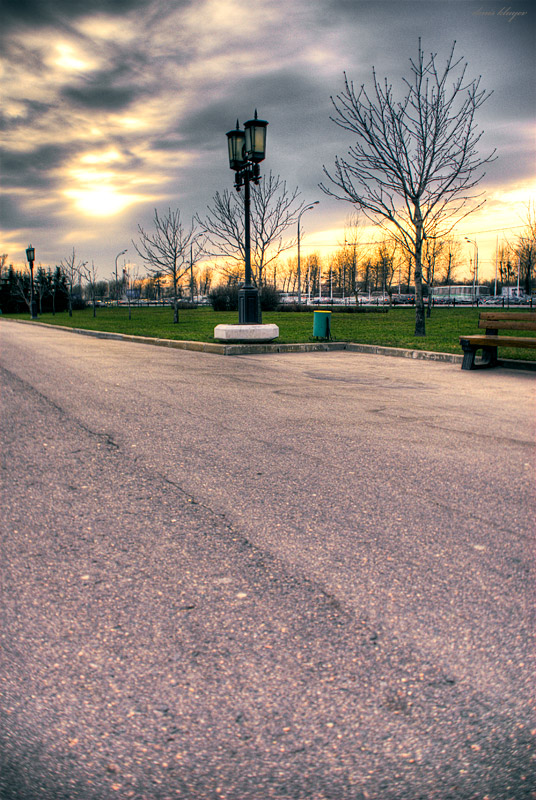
258, 349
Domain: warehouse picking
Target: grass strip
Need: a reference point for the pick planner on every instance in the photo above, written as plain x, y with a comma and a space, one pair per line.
392, 329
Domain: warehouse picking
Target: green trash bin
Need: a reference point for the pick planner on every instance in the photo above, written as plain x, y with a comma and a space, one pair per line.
322, 324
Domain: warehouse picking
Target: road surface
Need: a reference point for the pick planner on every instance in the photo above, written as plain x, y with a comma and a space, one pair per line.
278, 576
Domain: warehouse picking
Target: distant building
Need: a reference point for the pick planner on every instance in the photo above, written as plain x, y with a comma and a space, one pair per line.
462, 292
512, 291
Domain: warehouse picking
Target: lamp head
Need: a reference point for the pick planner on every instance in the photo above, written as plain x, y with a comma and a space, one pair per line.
235, 141
255, 139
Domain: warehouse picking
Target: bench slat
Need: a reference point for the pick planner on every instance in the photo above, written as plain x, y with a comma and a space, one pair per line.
500, 341
529, 316
509, 325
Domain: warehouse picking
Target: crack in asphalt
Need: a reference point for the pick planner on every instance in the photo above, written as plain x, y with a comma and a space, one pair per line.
106, 437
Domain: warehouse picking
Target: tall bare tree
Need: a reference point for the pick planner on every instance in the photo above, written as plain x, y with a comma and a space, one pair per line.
274, 209
166, 251
415, 162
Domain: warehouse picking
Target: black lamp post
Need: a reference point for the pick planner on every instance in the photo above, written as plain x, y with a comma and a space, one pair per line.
247, 149
30, 255
475, 271
122, 253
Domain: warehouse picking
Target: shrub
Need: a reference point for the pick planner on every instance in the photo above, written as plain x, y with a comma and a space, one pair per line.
78, 303
224, 298
269, 298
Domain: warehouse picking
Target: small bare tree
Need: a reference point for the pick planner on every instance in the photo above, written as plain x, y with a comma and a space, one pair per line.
415, 162
89, 274
274, 209
166, 251
21, 288
72, 272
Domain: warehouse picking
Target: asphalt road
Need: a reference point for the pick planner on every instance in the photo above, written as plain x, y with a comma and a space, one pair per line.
283, 576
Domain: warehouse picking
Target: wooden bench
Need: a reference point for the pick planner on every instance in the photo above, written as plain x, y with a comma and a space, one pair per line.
492, 321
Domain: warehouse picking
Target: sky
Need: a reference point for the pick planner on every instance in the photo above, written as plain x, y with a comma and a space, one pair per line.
112, 108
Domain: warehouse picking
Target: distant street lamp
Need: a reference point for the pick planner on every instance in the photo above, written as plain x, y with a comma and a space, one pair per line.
308, 208
247, 149
195, 238
475, 272
30, 255
122, 253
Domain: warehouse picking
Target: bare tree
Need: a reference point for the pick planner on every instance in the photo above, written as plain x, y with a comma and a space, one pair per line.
166, 250
72, 272
90, 275
21, 288
385, 265
274, 209
41, 286
525, 249
3, 263
415, 162
432, 251
450, 261
353, 257
505, 264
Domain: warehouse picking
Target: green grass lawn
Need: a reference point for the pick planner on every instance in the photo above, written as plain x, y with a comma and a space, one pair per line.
392, 329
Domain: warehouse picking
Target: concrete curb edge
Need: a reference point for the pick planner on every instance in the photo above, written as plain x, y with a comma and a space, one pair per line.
257, 349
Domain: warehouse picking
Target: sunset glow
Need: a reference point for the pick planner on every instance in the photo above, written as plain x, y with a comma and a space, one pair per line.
109, 115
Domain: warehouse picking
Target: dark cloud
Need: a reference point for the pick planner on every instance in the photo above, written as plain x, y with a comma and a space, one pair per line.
37, 13
16, 216
170, 144
34, 169
95, 97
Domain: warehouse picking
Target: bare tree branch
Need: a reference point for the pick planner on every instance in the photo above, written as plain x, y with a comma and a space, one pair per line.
415, 163
274, 209
72, 272
166, 250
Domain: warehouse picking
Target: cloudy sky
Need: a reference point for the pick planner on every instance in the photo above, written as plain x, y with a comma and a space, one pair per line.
115, 107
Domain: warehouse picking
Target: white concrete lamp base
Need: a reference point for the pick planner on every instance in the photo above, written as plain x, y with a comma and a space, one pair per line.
246, 333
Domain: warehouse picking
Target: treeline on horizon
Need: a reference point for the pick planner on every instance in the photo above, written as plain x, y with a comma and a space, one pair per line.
349, 271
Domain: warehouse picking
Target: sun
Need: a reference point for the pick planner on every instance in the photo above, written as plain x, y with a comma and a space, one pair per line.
101, 202
98, 189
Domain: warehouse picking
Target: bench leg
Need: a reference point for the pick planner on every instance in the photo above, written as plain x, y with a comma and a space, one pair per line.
489, 356
469, 353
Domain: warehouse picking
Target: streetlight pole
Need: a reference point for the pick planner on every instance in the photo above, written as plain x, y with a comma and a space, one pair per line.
475, 271
30, 255
308, 208
247, 149
116, 279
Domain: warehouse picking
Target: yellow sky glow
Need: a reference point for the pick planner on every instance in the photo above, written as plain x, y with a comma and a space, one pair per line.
101, 202
69, 59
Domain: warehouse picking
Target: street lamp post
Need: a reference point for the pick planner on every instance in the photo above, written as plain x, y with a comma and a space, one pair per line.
30, 255
475, 271
116, 279
308, 208
247, 149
